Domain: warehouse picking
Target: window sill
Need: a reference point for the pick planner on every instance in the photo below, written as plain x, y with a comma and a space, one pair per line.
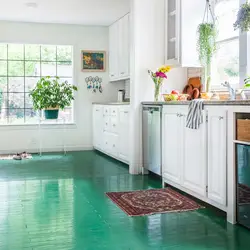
36, 126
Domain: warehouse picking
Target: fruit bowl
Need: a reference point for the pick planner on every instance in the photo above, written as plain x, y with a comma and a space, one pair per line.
183, 97
170, 97
206, 95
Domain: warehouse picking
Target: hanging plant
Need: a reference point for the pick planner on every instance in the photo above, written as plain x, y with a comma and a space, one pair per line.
206, 43
243, 18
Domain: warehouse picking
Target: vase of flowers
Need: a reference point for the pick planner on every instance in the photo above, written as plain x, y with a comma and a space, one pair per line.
158, 78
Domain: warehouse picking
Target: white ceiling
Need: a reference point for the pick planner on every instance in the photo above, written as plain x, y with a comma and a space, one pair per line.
85, 12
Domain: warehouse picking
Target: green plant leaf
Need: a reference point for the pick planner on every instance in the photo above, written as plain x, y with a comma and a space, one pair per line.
52, 93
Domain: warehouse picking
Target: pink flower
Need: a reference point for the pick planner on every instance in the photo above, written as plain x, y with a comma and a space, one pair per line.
161, 75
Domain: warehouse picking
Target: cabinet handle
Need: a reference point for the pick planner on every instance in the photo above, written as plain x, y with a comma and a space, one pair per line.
112, 75
113, 145
113, 111
177, 114
122, 73
221, 117
125, 112
113, 125
181, 115
106, 123
106, 143
97, 110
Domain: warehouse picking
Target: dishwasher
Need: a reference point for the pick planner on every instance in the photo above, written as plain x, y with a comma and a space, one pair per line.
151, 138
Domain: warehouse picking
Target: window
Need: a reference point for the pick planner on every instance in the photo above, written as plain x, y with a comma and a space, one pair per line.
21, 66
225, 64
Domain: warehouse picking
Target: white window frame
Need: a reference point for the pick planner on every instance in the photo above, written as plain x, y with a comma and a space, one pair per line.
52, 123
219, 87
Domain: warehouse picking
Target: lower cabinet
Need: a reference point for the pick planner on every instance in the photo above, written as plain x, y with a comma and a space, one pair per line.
98, 140
195, 160
110, 130
217, 151
194, 157
123, 150
171, 146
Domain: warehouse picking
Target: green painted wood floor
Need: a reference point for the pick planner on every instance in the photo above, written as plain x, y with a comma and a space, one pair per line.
57, 202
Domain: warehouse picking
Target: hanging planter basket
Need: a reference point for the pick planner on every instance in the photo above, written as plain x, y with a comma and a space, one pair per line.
206, 44
243, 18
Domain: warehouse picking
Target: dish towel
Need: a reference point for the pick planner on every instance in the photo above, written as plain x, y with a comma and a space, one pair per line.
195, 117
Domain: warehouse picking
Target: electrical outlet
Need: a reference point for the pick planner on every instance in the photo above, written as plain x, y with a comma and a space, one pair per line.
33, 141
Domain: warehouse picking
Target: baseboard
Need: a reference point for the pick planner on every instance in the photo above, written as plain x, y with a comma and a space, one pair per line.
48, 150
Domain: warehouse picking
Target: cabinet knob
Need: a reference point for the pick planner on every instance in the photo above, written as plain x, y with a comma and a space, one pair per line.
113, 125
177, 114
221, 117
106, 123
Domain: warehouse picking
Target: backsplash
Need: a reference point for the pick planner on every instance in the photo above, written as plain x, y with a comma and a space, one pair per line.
194, 72
127, 89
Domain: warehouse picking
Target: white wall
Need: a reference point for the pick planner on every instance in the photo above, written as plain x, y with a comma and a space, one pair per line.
177, 79
77, 136
147, 52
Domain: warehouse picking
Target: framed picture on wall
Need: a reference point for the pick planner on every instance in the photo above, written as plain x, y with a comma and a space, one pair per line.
93, 61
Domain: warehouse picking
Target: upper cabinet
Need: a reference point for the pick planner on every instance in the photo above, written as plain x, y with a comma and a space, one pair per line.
119, 50
113, 51
182, 18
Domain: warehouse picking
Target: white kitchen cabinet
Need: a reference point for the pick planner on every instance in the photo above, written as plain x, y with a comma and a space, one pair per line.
98, 126
119, 49
194, 161
113, 51
181, 23
171, 145
124, 48
123, 150
217, 155
194, 158
110, 130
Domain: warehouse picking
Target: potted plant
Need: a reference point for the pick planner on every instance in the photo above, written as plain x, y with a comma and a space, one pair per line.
245, 93
51, 95
243, 18
206, 43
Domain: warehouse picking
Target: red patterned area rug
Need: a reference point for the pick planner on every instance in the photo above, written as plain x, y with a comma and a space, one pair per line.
152, 201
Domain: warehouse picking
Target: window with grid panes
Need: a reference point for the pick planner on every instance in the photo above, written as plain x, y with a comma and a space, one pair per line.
225, 64
21, 66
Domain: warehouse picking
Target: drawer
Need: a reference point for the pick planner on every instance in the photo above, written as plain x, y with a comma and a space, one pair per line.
106, 110
106, 125
114, 145
106, 142
113, 111
114, 124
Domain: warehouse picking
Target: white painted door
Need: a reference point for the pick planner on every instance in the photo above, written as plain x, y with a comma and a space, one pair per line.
194, 158
123, 48
217, 141
123, 141
98, 126
113, 51
171, 145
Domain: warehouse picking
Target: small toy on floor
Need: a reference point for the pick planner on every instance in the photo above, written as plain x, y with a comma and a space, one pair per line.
23, 155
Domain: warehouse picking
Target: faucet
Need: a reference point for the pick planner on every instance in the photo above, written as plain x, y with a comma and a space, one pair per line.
231, 90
